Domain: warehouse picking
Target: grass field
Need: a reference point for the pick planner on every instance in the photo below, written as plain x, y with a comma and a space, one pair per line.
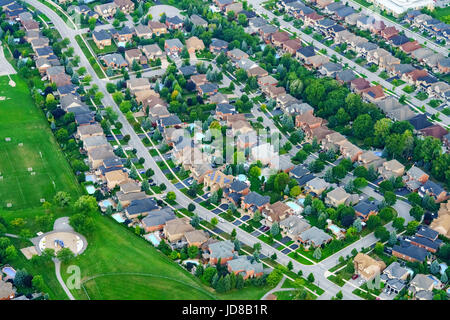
31, 166
97, 68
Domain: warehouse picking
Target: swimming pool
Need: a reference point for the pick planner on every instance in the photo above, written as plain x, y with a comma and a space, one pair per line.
294, 206
301, 201
118, 217
90, 189
153, 239
90, 178
242, 177
10, 272
334, 228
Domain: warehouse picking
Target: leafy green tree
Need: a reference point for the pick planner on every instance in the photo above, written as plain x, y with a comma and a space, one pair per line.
417, 212
317, 253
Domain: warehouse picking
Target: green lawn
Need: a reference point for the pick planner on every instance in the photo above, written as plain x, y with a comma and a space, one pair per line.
31, 147
109, 49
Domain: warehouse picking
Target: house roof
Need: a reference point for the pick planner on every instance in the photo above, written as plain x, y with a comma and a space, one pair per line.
171, 120
197, 20
174, 20
360, 83
294, 225
221, 249
142, 206
365, 207
219, 43
395, 271
375, 92
420, 121
315, 235
177, 226
174, 43
244, 263
101, 35
435, 131
238, 186
338, 194
306, 51
159, 217
256, 199
346, 75
299, 171
399, 40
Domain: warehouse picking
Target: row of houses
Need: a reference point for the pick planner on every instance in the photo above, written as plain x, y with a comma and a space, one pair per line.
428, 24
395, 277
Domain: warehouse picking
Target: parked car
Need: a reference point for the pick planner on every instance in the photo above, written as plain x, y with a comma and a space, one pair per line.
355, 276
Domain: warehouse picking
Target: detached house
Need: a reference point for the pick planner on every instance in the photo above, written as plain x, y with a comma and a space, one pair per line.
276, 212
367, 267
254, 201
101, 38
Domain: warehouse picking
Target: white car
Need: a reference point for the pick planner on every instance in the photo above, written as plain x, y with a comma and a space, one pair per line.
221, 220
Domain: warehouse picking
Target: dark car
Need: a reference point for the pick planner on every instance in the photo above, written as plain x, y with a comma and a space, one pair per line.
355, 276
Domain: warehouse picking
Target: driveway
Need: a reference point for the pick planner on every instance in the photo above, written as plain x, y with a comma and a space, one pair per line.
5, 67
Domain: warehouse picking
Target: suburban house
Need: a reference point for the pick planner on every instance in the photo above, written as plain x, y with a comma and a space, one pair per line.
254, 201
441, 224
101, 38
337, 197
126, 6
217, 180
235, 191
421, 287
198, 21
194, 44
316, 186
157, 219
138, 84
106, 10
367, 267
426, 238
218, 46
114, 60
223, 250
140, 207
436, 191
391, 168
143, 31
115, 178
244, 266
365, 209
92, 130
314, 237
6, 290
153, 51
276, 212
157, 27
293, 226
395, 277
174, 23
173, 46
196, 238
135, 55
175, 229
407, 251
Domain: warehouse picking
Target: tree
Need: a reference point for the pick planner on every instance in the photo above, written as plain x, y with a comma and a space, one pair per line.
398, 223
275, 229
386, 214
290, 265
392, 238
317, 253
363, 126
382, 233
86, 205
373, 222
171, 196
390, 198
295, 191
191, 207
310, 278
38, 283
193, 252
61, 199
434, 267
214, 222
379, 247
357, 225
274, 277
417, 212
233, 233
65, 255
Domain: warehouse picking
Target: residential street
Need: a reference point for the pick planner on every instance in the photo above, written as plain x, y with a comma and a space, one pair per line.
421, 39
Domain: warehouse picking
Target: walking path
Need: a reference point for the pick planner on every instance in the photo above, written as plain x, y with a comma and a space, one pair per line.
278, 288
